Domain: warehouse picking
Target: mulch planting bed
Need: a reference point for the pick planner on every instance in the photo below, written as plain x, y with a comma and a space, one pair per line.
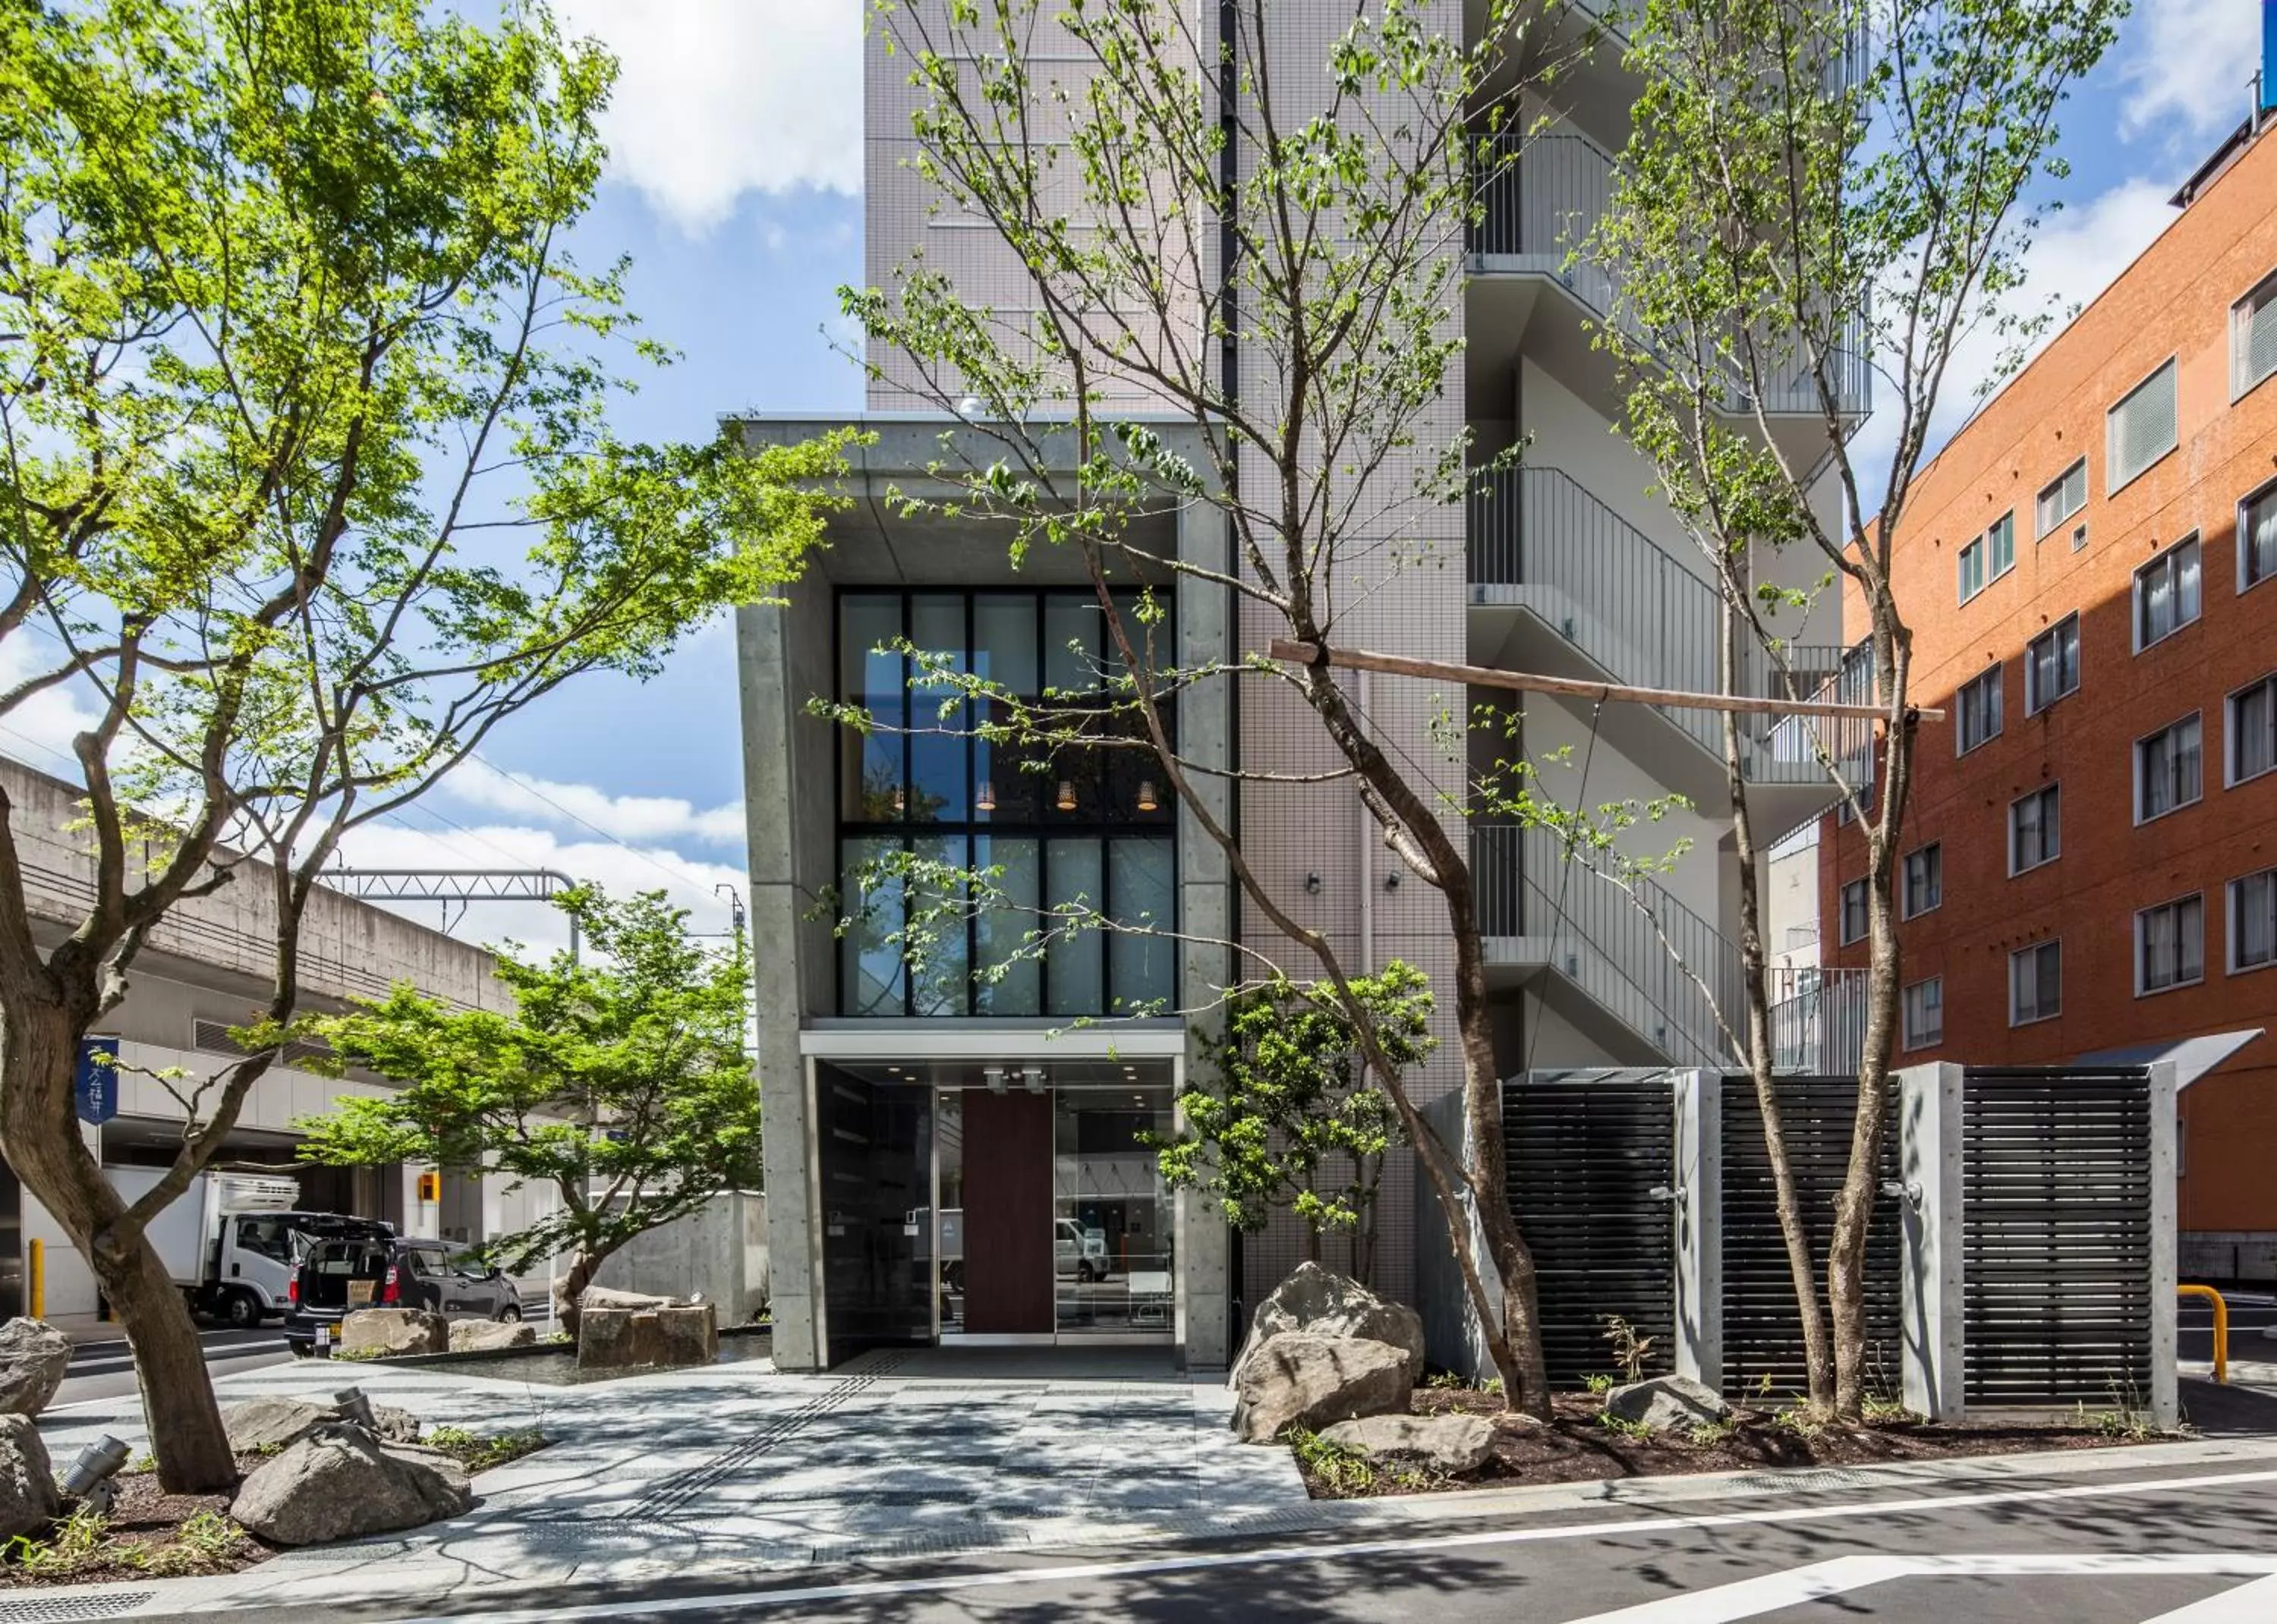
1579, 1447
153, 1534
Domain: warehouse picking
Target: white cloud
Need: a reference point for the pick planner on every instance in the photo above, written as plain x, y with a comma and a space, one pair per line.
716, 98
633, 818
2185, 65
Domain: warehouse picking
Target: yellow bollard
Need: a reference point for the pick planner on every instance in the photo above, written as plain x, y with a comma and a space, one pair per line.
2221, 1326
36, 1280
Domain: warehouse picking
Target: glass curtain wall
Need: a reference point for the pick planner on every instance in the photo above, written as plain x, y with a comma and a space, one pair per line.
1086, 827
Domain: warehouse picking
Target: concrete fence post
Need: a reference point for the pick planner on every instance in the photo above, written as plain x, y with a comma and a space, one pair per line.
1696, 1211
2165, 1407
1932, 1342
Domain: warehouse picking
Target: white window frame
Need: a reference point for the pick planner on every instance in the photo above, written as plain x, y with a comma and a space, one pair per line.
1991, 558
2035, 702
2167, 558
1934, 850
2142, 988
2193, 716
2053, 788
2048, 525
1999, 676
1908, 1037
2232, 735
2039, 946
1974, 550
1843, 938
2233, 912
2241, 327
2266, 491
2111, 427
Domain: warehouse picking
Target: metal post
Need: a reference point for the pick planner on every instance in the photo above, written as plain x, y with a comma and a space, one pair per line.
1931, 1341
35, 1274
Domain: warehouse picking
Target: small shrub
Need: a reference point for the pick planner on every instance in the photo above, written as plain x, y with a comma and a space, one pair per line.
1345, 1471
480, 1451
1885, 1412
205, 1542
1443, 1379
1627, 1428
1800, 1420
1598, 1382
78, 1542
1630, 1348
1710, 1433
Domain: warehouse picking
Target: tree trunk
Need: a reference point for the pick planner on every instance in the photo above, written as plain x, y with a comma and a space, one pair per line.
38, 1055
1518, 1350
570, 1288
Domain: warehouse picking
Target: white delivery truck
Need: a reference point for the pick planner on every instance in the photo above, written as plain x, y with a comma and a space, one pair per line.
232, 1240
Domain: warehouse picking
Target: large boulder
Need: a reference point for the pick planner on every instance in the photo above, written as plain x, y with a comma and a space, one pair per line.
1330, 1304
1449, 1445
28, 1499
1665, 1403
273, 1423
342, 1483
482, 1336
1301, 1378
614, 1339
33, 1356
607, 1297
394, 1330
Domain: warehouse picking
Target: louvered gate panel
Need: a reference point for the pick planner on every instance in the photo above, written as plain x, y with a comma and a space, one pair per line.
1585, 1151
1763, 1334
2057, 1238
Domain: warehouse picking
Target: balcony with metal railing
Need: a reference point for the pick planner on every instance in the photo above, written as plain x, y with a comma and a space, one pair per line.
1540, 195
1560, 584
1656, 980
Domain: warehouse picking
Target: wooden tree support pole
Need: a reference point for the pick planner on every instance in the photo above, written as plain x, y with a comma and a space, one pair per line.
1488, 677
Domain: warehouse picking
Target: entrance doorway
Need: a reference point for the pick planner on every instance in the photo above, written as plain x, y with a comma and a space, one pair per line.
1051, 1220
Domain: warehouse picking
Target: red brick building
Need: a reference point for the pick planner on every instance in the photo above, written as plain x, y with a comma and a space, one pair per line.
2092, 838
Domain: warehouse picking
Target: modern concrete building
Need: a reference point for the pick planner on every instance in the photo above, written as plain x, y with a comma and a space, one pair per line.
2088, 862
940, 1164
205, 969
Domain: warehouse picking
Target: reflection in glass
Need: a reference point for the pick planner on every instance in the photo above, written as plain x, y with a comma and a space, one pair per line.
1141, 962
1072, 639
943, 967
1111, 1249
873, 973
1004, 639
938, 719
1072, 963
871, 763
1001, 932
949, 1190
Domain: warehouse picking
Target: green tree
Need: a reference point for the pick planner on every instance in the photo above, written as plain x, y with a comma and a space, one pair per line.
1813, 188
1291, 1120
305, 486
620, 1082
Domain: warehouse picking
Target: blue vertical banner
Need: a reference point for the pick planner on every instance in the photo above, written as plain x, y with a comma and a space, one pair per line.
2268, 54
95, 1081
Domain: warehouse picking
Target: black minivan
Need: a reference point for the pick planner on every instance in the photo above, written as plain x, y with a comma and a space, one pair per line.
390, 1272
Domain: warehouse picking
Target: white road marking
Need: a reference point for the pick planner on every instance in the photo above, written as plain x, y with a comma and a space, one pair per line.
1751, 1598
1284, 1555
2245, 1603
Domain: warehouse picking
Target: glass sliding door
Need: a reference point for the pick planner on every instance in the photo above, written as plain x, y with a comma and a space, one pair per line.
1111, 1218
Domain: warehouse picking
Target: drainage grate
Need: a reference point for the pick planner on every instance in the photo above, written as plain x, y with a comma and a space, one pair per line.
57, 1609
671, 1497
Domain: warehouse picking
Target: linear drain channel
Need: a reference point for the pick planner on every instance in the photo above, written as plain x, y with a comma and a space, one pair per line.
58, 1608
673, 1496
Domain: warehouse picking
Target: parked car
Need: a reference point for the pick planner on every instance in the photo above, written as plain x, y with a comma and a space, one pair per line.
1077, 1250
338, 1277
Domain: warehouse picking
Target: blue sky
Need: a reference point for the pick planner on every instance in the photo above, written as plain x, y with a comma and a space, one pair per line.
734, 186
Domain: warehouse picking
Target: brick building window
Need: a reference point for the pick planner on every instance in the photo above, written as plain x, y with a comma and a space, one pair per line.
1988, 558
1924, 1013
2063, 499
1853, 921
2166, 597
2052, 665
1924, 879
2034, 829
2253, 921
2142, 427
2167, 770
2257, 537
1980, 711
2253, 337
2253, 730
2170, 944
2034, 984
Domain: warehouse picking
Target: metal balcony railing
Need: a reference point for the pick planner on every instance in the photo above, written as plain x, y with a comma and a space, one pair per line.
1536, 538
1542, 194
1818, 1020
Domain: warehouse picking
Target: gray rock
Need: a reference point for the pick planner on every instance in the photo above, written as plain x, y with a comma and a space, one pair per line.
395, 1426
273, 1423
395, 1331
614, 1339
1330, 1304
1300, 1378
342, 1483
28, 1499
479, 1336
33, 1356
1665, 1403
1450, 1444
607, 1297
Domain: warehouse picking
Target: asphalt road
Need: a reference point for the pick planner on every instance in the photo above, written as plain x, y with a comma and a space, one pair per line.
106, 1370
2187, 1546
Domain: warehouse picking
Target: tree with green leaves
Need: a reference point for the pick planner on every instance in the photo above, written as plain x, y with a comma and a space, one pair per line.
1291, 1120
620, 1083
1812, 188
1207, 222
306, 486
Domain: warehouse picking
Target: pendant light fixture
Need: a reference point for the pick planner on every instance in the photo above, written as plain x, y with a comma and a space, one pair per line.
985, 800
901, 801
1146, 802
1066, 802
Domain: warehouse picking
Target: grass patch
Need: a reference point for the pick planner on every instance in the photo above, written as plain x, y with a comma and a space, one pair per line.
479, 1452
83, 1545
1627, 1428
1344, 1470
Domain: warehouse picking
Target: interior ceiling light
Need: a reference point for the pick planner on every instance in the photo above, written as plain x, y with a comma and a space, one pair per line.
1146, 802
993, 1076
986, 800
1033, 1075
1066, 802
